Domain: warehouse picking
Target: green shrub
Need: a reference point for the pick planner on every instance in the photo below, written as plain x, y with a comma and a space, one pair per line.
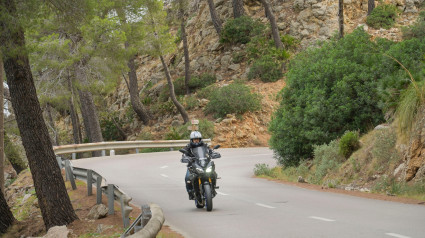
241, 30
384, 148
395, 79
326, 159
267, 69
164, 108
173, 134
383, 16
195, 83
411, 101
289, 42
416, 30
109, 126
349, 143
202, 81
262, 169
234, 98
260, 46
329, 90
238, 57
206, 92
190, 102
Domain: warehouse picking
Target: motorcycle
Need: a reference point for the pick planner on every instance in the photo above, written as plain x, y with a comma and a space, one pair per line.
202, 174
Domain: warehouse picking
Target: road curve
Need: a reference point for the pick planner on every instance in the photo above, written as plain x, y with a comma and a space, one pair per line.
250, 207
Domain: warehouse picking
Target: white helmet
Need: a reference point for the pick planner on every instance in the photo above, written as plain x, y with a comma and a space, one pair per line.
195, 135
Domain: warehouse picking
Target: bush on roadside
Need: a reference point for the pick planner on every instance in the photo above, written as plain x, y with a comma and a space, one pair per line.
349, 143
337, 92
326, 159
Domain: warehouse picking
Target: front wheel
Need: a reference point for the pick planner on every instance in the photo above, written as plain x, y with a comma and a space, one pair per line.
208, 197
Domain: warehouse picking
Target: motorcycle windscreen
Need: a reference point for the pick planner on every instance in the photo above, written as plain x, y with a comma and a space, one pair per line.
201, 154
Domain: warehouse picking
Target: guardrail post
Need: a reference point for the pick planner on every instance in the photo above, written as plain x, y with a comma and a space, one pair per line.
110, 199
125, 209
111, 152
146, 214
59, 159
98, 189
103, 152
74, 155
69, 174
89, 182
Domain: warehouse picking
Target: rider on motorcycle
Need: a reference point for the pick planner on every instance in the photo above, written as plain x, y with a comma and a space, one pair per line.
195, 141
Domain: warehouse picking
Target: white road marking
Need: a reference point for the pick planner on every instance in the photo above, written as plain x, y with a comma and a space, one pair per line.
320, 218
396, 235
264, 205
225, 194
163, 167
163, 175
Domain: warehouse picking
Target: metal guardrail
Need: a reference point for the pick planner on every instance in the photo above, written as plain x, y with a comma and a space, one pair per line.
91, 177
114, 145
112, 191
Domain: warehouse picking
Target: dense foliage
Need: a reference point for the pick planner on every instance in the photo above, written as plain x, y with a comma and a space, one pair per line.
348, 85
383, 16
335, 93
241, 30
234, 98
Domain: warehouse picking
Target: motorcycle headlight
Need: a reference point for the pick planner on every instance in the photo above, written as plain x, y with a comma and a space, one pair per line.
209, 169
199, 170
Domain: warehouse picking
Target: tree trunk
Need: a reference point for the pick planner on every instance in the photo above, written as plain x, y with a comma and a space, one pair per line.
341, 18
13, 156
1, 126
134, 93
133, 88
55, 140
90, 118
6, 216
238, 10
185, 50
179, 107
76, 132
53, 199
370, 6
214, 17
275, 31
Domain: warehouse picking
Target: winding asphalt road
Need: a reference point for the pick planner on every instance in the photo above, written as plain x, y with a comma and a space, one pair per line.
250, 207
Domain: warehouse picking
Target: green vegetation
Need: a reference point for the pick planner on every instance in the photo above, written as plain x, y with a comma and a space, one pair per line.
349, 143
383, 16
234, 98
417, 30
241, 30
110, 125
267, 69
336, 93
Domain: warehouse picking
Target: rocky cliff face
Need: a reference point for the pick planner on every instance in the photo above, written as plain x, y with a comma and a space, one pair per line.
414, 156
306, 20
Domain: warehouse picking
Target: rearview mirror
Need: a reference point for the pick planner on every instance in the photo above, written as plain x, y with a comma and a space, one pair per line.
216, 147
